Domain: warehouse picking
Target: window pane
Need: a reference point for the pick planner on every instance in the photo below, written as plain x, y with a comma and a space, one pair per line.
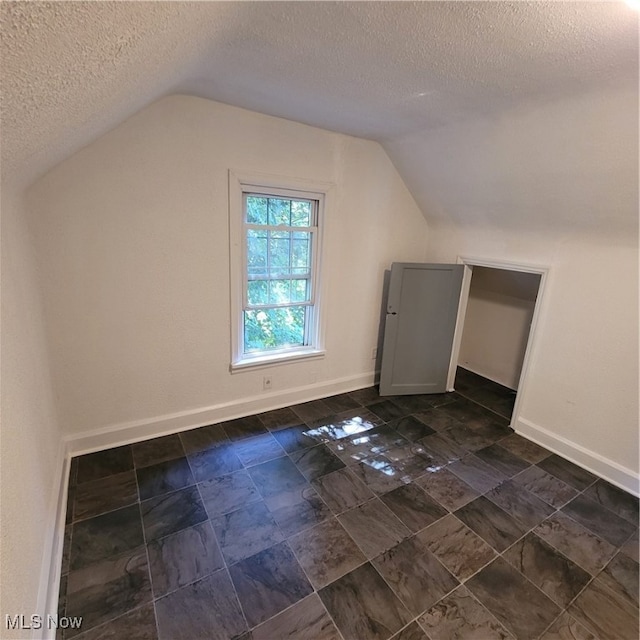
279, 254
266, 329
279, 211
300, 213
299, 290
301, 254
256, 210
258, 292
279, 291
256, 253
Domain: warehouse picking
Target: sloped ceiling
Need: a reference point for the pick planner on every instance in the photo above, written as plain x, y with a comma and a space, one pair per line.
379, 70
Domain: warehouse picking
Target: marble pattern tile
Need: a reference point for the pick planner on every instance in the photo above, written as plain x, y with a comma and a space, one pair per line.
359, 447
567, 628
295, 438
631, 547
157, 450
477, 473
415, 575
437, 419
66, 549
108, 588
605, 613
457, 547
313, 410
548, 569
342, 490
468, 438
316, 462
525, 449
495, 431
503, 591
366, 396
137, 624
412, 631
604, 523
491, 523
413, 506
326, 552
268, 582
374, 527
460, 615
105, 494
105, 535
620, 502
241, 428
449, 490
246, 531
227, 493
396, 493
502, 460
545, 486
379, 474
202, 438
577, 543
363, 606
569, 473
262, 448
216, 461
303, 511
205, 609
621, 576
306, 619
413, 404
164, 477
523, 506
182, 558
387, 410
104, 463
469, 413
411, 428
168, 513
442, 449
279, 419
341, 402
276, 477
499, 400
343, 425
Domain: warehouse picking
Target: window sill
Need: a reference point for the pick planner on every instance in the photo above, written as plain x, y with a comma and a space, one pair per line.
259, 362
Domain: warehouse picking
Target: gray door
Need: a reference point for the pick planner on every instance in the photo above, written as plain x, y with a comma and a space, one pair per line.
420, 324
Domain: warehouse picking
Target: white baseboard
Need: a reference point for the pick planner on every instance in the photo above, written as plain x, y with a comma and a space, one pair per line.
51, 566
611, 471
129, 432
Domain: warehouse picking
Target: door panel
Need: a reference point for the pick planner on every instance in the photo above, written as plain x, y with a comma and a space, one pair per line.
420, 324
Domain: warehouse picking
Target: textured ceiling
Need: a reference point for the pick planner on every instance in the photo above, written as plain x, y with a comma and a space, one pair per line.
380, 70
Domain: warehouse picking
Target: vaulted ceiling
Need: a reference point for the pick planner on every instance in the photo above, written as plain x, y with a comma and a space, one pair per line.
379, 70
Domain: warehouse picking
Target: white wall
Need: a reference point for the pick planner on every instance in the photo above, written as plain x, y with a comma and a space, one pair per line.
30, 455
496, 324
553, 185
132, 236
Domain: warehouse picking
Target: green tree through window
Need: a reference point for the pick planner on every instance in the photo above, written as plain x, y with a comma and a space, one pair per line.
279, 291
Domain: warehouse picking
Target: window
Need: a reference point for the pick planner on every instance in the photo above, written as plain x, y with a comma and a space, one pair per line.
276, 312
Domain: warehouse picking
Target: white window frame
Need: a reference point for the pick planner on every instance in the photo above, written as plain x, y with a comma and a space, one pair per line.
239, 185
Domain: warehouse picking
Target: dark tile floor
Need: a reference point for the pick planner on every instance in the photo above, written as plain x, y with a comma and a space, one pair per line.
355, 517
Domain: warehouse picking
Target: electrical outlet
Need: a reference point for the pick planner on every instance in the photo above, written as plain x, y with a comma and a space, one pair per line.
266, 383
374, 353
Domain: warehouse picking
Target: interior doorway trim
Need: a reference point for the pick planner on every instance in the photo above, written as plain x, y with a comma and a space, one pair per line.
470, 262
